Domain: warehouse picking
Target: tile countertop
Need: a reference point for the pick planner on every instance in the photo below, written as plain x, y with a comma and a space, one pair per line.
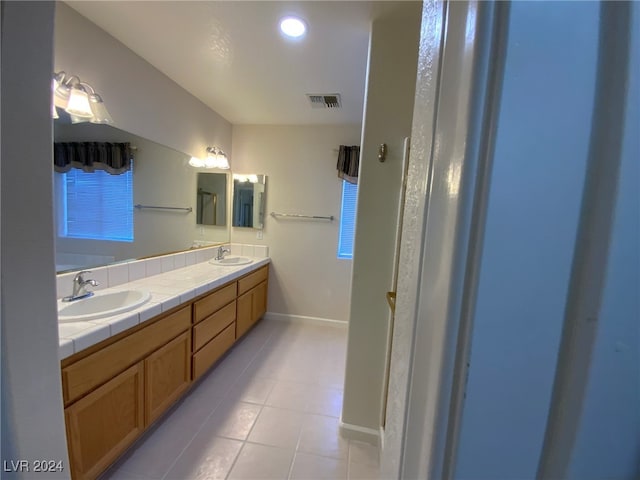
168, 290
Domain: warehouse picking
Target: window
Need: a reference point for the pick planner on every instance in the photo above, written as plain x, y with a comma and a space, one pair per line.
347, 220
95, 205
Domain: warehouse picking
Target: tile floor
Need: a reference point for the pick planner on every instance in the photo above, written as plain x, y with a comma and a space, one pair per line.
268, 410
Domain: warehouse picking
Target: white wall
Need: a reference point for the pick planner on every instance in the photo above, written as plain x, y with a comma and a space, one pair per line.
393, 53
608, 440
536, 186
306, 278
161, 176
32, 412
139, 97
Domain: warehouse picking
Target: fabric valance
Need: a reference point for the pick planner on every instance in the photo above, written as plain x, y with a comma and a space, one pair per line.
348, 162
114, 158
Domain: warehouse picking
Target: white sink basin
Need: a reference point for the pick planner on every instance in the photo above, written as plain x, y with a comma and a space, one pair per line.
101, 305
231, 261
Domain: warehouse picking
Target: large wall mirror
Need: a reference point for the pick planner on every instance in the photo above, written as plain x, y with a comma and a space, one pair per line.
249, 200
211, 199
160, 177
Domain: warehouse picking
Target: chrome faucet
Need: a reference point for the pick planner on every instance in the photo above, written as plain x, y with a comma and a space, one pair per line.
80, 287
222, 252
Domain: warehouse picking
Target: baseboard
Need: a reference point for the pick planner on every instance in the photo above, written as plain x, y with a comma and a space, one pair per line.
381, 438
362, 434
302, 318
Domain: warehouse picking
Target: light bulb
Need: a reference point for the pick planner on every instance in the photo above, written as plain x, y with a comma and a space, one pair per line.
292, 27
79, 103
196, 162
100, 113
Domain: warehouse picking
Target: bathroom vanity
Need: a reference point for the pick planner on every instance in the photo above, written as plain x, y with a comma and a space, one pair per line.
116, 389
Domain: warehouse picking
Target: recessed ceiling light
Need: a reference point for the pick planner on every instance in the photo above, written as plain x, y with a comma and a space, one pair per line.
293, 27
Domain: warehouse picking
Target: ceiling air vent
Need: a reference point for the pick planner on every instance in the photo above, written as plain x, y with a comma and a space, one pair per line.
331, 100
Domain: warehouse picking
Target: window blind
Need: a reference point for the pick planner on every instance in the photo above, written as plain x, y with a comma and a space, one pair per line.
97, 205
347, 219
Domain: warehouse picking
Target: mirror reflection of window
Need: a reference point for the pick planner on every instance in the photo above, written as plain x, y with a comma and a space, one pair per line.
211, 199
248, 201
162, 178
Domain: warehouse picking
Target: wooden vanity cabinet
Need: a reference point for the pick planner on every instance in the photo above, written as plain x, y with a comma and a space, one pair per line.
113, 391
82, 376
103, 424
108, 408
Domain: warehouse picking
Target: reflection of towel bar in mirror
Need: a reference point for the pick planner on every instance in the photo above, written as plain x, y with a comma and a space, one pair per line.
295, 215
186, 209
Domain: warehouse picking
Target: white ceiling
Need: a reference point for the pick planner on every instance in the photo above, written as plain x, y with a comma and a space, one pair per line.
231, 56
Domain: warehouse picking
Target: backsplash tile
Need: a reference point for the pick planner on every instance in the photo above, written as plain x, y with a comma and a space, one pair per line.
190, 258
137, 270
154, 266
167, 263
100, 275
200, 256
64, 284
118, 274
180, 260
114, 275
205, 254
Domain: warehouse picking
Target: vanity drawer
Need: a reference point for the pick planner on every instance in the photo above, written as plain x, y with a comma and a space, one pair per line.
86, 374
253, 279
213, 350
213, 302
213, 325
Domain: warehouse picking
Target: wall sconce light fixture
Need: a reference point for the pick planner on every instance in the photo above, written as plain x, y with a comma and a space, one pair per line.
245, 178
78, 99
216, 158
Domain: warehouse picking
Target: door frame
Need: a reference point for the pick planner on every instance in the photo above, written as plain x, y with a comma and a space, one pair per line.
460, 68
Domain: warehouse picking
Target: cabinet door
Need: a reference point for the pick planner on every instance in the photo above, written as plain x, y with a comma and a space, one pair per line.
244, 317
167, 375
259, 304
103, 424
251, 306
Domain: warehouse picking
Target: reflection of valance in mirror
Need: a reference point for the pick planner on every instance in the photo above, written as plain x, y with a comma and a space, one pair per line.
348, 161
114, 158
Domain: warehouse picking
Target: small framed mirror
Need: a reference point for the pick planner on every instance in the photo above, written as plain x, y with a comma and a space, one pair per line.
211, 199
249, 200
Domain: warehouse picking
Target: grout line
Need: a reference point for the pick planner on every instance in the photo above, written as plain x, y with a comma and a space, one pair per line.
235, 460
293, 460
295, 450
